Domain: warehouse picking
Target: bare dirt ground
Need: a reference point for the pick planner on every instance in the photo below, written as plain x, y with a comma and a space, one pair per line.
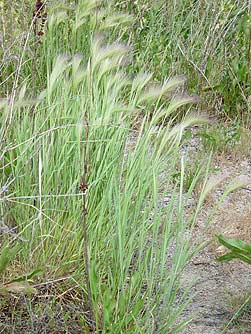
222, 288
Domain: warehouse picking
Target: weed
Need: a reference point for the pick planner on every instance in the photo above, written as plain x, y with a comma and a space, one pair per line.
223, 139
240, 310
87, 206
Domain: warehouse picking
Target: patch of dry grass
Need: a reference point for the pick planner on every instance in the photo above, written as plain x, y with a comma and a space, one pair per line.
51, 310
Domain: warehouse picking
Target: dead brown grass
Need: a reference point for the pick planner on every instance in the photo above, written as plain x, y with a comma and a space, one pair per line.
56, 308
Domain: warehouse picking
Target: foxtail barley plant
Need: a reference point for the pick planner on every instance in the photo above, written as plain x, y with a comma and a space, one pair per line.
83, 186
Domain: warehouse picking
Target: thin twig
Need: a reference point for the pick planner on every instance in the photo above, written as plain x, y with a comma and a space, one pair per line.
247, 189
84, 188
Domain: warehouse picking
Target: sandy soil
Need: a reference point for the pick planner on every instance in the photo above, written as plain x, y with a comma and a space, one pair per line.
221, 288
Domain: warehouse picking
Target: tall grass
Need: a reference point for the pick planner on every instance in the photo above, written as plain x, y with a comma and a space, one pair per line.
208, 40
83, 186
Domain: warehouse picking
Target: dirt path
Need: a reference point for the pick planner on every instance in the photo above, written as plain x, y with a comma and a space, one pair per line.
221, 288
216, 286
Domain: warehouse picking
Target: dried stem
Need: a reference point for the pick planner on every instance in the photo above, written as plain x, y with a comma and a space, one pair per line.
84, 188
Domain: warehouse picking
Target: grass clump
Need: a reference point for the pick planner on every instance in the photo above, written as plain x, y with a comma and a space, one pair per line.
207, 40
87, 206
225, 139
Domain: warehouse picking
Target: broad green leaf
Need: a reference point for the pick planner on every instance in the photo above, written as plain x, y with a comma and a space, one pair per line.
28, 276
235, 245
137, 307
7, 254
108, 306
234, 255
